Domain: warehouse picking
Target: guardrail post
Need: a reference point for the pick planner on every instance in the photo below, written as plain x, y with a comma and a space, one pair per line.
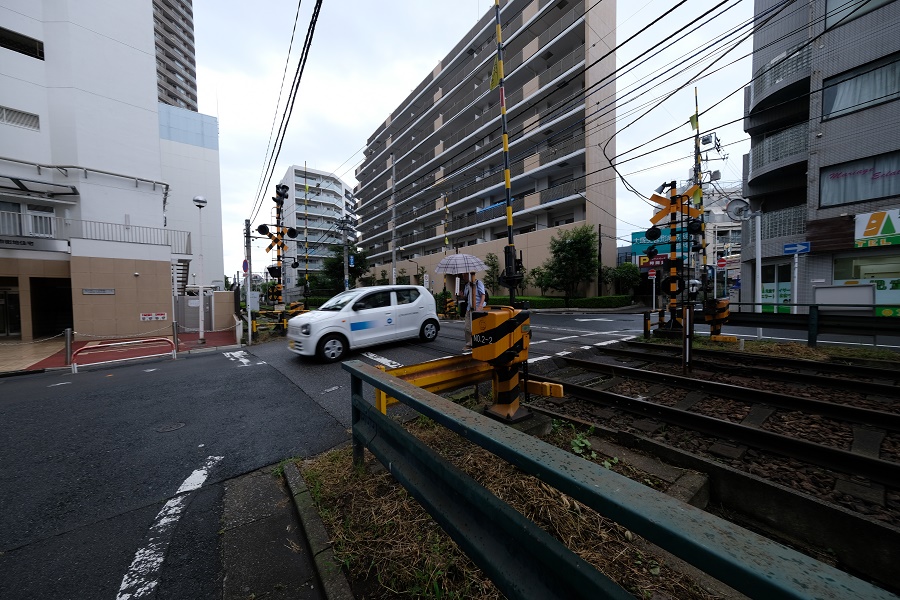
356, 389
68, 346
813, 324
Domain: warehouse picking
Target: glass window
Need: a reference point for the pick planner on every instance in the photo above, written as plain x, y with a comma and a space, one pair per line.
857, 180
407, 296
862, 87
838, 12
377, 300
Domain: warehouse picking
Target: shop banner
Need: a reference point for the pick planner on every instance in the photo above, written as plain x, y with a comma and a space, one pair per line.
880, 228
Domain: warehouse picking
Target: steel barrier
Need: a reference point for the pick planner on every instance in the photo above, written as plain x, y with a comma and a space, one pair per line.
132, 342
524, 561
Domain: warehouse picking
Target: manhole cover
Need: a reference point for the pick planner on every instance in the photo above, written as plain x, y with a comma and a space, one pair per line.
170, 427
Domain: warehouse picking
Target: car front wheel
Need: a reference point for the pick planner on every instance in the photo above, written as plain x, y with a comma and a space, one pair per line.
429, 331
332, 348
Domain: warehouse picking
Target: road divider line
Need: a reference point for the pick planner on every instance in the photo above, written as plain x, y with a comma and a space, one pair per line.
142, 577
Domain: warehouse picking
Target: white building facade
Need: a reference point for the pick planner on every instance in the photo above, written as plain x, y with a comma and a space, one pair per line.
91, 229
319, 207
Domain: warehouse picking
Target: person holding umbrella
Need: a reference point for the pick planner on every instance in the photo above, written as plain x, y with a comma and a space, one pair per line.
461, 264
474, 296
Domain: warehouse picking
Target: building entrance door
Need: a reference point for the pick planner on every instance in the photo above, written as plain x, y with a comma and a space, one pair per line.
10, 317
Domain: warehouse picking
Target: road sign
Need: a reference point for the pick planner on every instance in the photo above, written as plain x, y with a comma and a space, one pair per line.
721, 263
245, 266
797, 248
651, 273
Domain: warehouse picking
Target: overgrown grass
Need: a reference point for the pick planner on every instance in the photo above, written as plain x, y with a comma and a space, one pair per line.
391, 548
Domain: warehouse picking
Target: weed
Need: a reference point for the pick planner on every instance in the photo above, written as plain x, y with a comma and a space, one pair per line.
581, 446
608, 463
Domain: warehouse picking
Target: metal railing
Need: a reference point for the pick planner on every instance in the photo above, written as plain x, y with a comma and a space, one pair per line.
60, 228
817, 319
522, 559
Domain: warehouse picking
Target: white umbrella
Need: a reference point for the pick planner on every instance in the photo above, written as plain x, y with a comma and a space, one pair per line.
455, 264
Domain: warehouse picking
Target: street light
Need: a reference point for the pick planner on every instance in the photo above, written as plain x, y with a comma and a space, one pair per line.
200, 202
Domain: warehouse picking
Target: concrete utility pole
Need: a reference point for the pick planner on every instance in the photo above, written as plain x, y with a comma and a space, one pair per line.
344, 226
248, 283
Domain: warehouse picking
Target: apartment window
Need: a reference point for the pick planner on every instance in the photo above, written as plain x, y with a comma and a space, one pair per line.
858, 180
18, 118
838, 12
865, 86
22, 44
10, 221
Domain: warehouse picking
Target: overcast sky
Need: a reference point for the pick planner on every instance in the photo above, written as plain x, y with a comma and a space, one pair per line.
367, 56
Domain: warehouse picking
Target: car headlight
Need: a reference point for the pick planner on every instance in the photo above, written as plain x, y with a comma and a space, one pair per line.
304, 329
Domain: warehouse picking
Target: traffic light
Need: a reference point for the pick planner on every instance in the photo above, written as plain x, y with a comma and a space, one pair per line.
281, 193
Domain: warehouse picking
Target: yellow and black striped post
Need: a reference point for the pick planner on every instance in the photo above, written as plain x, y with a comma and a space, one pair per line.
500, 337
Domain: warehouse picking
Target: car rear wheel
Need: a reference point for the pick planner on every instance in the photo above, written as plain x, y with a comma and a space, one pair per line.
332, 347
429, 331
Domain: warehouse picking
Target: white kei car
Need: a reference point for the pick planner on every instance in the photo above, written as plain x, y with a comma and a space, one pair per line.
364, 317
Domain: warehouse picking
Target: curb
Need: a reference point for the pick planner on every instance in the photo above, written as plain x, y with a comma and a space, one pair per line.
331, 577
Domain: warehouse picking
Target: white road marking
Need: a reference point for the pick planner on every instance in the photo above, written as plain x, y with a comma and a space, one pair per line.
537, 358
149, 370
238, 355
331, 389
537, 342
568, 337
56, 384
143, 575
380, 359
606, 320
563, 353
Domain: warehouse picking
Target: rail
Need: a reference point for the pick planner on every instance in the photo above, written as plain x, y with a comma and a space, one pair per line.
88, 350
525, 561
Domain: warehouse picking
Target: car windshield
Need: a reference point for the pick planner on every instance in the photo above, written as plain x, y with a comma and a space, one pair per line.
339, 301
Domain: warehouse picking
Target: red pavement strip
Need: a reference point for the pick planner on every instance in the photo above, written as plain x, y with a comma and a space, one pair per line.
186, 342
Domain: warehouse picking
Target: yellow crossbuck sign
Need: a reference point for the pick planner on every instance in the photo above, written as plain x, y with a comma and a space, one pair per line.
682, 205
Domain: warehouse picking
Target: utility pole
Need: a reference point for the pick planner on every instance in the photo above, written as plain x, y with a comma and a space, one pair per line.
393, 222
248, 280
344, 226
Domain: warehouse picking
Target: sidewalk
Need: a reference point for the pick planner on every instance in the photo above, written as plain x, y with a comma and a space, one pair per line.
17, 357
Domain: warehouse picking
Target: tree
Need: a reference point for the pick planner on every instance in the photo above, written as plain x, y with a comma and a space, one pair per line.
492, 275
627, 277
402, 277
573, 260
539, 277
333, 268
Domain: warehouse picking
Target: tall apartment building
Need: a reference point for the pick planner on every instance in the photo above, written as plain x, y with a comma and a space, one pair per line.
176, 67
96, 176
824, 164
319, 203
432, 180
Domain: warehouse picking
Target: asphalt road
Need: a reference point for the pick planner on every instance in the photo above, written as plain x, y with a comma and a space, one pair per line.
91, 464
89, 461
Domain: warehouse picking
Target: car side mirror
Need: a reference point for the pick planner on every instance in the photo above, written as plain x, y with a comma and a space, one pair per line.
359, 306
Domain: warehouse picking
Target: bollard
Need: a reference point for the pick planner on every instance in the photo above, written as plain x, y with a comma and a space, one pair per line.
68, 346
175, 334
646, 326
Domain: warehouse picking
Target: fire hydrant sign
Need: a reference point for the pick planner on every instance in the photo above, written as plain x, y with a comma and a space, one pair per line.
154, 316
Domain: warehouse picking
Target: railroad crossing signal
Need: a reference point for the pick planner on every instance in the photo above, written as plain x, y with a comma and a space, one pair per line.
682, 205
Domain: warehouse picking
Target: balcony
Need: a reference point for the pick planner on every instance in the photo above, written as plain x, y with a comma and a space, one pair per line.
777, 149
59, 228
780, 72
